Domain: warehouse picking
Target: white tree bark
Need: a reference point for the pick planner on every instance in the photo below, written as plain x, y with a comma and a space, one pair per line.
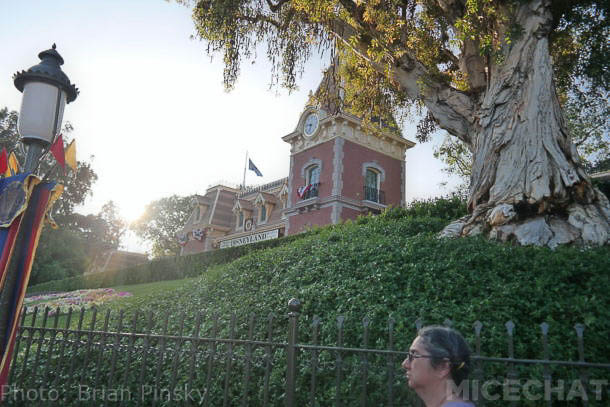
527, 183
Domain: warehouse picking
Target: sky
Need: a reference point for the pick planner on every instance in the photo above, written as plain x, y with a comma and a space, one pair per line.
153, 116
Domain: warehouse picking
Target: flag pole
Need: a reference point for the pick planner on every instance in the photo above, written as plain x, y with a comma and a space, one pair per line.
245, 165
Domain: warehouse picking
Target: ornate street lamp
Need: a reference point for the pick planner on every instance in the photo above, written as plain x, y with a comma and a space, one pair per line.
46, 90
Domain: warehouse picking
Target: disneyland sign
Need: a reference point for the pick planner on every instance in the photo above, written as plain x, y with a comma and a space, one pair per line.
253, 238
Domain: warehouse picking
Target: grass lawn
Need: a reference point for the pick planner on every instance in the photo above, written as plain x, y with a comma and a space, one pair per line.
139, 292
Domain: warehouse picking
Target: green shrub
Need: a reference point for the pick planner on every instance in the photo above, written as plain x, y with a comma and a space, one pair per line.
170, 268
394, 266
449, 207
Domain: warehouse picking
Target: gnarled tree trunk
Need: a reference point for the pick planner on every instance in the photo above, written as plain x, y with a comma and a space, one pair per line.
527, 183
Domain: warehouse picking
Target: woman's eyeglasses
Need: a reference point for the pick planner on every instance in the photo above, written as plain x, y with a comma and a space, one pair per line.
412, 355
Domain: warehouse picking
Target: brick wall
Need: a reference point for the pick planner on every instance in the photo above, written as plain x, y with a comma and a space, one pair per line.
353, 180
322, 152
302, 221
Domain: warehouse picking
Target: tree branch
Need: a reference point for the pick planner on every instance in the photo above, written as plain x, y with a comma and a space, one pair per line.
452, 109
258, 18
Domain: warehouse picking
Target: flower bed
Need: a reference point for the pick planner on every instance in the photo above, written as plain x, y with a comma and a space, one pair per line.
73, 299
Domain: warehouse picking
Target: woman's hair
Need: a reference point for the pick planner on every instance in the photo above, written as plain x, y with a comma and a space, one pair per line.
446, 344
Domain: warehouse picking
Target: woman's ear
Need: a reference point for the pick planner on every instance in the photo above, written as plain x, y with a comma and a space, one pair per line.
443, 370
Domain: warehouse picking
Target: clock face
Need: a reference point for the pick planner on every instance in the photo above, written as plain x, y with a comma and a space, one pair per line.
311, 124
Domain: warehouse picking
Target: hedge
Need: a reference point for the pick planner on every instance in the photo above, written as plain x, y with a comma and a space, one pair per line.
170, 268
173, 268
394, 265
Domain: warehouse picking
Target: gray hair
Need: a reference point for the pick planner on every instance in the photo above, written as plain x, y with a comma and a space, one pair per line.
446, 344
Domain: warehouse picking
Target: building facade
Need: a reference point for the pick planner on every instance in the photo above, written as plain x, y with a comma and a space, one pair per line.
338, 171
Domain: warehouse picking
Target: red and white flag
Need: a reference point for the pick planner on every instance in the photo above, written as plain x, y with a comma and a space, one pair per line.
301, 191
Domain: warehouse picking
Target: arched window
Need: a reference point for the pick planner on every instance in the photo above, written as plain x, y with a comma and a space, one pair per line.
312, 175
371, 185
263, 213
241, 220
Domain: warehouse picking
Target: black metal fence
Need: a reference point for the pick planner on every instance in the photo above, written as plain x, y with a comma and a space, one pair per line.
250, 363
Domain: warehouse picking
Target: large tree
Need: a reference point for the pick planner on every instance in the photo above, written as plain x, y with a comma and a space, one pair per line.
489, 72
161, 221
588, 120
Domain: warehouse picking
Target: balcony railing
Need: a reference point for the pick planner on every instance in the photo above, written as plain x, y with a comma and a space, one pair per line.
312, 192
374, 195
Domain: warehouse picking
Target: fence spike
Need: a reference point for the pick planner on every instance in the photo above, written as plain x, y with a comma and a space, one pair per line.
477, 327
419, 322
510, 327
366, 322
580, 329
544, 327
340, 321
448, 323
315, 322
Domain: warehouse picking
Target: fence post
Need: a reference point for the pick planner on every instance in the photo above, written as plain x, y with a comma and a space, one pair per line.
294, 306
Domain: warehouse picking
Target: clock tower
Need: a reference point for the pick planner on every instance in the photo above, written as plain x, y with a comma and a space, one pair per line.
339, 169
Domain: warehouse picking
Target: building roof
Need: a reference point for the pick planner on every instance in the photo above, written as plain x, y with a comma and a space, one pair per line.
267, 197
202, 200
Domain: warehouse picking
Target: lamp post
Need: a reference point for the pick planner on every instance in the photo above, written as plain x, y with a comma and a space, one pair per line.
46, 90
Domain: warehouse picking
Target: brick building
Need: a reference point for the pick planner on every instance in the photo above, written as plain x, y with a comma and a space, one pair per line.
338, 170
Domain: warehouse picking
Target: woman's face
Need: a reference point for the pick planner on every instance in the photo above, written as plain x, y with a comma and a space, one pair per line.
419, 372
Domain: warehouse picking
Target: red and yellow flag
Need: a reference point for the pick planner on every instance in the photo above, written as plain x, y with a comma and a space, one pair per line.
13, 165
57, 149
70, 155
3, 161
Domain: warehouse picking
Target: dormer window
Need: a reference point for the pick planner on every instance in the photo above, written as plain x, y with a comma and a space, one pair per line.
264, 203
243, 211
283, 196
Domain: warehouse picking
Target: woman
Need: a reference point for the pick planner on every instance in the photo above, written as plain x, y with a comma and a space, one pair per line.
437, 364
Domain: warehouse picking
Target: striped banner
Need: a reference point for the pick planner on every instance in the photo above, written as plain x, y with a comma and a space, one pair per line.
19, 241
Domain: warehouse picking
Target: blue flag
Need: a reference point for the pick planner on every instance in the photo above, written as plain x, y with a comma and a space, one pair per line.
252, 167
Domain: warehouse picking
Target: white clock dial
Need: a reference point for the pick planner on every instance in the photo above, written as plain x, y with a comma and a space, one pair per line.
311, 124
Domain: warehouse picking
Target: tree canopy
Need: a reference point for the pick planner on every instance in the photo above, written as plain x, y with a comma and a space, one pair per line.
493, 73
161, 220
451, 45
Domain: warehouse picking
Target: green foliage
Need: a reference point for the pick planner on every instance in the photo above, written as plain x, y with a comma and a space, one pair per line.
394, 32
167, 268
450, 207
161, 221
61, 254
392, 265
380, 267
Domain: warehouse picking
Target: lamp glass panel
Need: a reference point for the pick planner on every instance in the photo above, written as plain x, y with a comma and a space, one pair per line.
38, 111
